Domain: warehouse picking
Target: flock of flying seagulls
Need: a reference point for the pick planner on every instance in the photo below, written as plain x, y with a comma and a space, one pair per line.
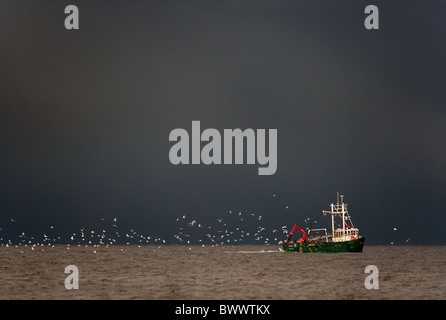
225, 231
228, 229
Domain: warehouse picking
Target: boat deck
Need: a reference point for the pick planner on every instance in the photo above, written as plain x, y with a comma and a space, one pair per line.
355, 245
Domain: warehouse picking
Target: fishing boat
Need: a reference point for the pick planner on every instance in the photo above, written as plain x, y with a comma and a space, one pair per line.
345, 238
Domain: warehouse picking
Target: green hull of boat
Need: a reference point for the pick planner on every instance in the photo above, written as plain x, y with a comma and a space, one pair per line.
328, 247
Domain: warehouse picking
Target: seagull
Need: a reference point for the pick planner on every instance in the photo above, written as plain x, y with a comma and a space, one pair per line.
394, 229
12, 220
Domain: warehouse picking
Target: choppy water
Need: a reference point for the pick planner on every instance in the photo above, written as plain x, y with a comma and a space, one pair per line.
239, 272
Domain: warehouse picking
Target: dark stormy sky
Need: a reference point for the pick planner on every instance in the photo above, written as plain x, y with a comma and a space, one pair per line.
85, 115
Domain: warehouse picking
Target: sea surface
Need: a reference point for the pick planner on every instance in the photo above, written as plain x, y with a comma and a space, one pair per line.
223, 273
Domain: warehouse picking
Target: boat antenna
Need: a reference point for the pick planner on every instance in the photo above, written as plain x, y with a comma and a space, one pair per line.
337, 197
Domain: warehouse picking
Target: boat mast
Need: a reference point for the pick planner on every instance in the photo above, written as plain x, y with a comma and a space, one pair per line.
339, 209
343, 216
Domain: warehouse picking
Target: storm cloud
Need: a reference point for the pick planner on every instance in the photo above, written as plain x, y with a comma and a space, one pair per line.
85, 115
